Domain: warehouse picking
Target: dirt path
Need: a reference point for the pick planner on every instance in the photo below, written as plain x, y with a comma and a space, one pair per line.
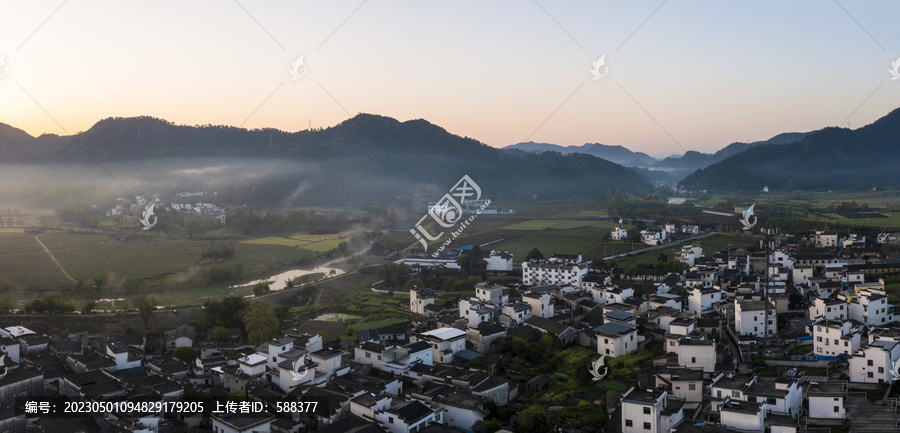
54, 260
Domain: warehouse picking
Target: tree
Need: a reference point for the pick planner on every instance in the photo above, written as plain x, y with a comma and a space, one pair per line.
88, 307
393, 274
491, 425
145, 307
476, 254
186, 354
260, 289
662, 257
583, 375
7, 305
464, 262
219, 334
535, 419
610, 206
413, 282
619, 203
534, 254
600, 264
261, 323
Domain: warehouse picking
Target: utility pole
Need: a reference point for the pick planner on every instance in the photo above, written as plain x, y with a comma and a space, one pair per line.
766, 298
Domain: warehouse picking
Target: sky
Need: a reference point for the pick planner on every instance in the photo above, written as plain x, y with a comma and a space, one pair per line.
679, 75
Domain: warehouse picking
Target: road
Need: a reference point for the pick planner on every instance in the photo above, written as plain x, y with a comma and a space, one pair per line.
54, 260
656, 247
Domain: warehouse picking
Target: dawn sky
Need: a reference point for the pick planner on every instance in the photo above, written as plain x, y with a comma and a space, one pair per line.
691, 74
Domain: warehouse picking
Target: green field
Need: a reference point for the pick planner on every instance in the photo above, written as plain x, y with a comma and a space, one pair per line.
883, 206
86, 256
23, 259
317, 243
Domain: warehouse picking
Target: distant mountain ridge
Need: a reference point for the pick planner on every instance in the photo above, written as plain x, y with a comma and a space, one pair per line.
366, 158
828, 159
677, 167
615, 153
693, 160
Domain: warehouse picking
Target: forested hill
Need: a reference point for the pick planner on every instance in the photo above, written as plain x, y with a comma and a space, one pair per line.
366, 158
829, 159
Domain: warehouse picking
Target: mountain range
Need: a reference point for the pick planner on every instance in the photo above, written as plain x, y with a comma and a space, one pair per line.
373, 159
676, 166
367, 158
828, 159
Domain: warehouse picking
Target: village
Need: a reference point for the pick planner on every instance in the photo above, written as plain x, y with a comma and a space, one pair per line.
785, 339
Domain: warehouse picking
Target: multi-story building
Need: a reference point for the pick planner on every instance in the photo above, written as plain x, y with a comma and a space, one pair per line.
499, 261
445, 342
419, 298
702, 301
750, 318
493, 294
541, 272
476, 312
616, 339
872, 308
541, 304
872, 363
834, 337
829, 309
619, 234
650, 411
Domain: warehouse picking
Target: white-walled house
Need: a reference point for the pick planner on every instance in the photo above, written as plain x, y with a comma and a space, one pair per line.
686, 383
827, 399
743, 416
292, 374
690, 253
696, 353
542, 272
328, 363
611, 294
619, 233
224, 423
701, 301
653, 236
274, 350
476, 312
834, 337
801, 274
650, 411
541, 304
872, 308
409, 416
750, 318
829, 309
781, 396
493, 294
616, 339
872, 363
419, 298
499, 261
445, 343
517, 312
